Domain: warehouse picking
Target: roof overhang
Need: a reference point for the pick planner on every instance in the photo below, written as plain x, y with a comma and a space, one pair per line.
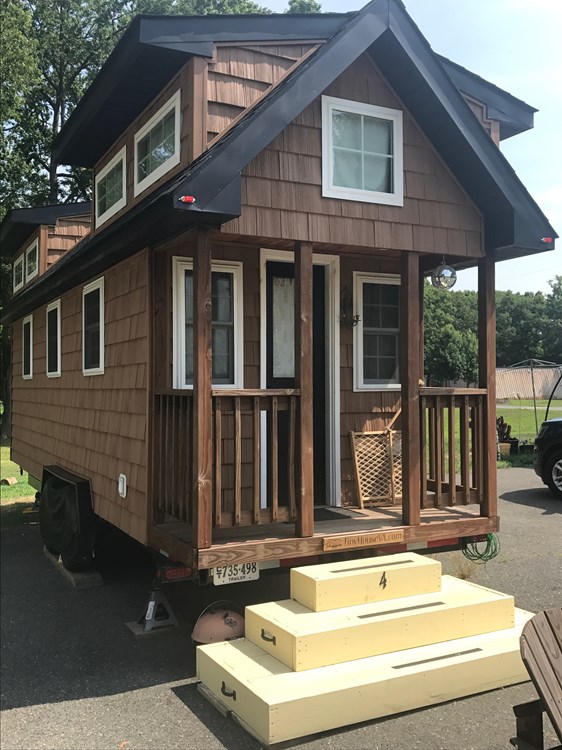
20, 223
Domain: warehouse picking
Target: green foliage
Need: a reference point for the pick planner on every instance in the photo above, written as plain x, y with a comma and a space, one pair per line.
552, 337
303, 6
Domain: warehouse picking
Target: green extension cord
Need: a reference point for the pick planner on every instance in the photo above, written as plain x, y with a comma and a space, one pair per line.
472, 551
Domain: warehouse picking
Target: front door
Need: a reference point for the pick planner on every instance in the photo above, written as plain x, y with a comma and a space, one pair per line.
280, 362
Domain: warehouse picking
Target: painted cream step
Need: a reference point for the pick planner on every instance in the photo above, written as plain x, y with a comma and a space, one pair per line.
277, 704
303, 639
374, 579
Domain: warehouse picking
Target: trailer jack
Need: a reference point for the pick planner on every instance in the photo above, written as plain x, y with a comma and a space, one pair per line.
157, 616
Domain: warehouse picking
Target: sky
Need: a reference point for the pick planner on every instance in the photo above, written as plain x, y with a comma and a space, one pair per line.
517, 45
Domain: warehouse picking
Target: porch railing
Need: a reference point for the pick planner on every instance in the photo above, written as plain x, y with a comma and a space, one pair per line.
252, 429
452, 429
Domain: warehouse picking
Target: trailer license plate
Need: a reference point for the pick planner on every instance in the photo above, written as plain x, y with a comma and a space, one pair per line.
235, 573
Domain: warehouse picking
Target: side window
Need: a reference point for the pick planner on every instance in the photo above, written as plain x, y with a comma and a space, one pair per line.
377, 334
53, 340
93, 328
110, 192
27, 348
32, 261
226, 326
17, 274
157, 145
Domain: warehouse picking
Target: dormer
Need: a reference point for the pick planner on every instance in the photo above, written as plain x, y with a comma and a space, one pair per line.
33, 239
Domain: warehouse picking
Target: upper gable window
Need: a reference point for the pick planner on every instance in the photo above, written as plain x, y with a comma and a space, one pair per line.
361, 152
18, 273
157, 145
32, 260
110, 188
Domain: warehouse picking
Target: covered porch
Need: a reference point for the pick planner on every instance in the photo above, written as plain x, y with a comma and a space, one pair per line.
228, 485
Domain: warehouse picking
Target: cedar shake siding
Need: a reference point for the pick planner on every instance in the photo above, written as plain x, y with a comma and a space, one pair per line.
282, 188
95, 426
63, 236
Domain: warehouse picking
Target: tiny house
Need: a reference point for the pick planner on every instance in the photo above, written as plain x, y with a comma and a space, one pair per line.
269, 193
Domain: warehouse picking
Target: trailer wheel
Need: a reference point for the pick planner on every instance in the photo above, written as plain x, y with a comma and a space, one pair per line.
553, 474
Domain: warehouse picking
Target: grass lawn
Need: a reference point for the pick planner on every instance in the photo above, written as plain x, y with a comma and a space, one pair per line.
541, 403
522, 420
16, 492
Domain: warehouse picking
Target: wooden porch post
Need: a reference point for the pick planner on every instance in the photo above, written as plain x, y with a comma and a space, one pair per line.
410, 374
303, 381
202, 531
487, 379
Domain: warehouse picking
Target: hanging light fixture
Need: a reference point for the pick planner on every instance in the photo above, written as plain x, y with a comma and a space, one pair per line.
444, 276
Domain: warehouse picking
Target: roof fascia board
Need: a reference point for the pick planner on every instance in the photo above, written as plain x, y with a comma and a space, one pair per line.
229, 156
454, 106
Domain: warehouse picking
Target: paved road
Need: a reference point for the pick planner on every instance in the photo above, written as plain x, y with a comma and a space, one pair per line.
74, 678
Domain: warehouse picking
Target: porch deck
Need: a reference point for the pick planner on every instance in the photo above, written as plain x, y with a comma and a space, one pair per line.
350, 529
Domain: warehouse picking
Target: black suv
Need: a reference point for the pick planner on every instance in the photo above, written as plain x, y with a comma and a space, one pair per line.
548, 455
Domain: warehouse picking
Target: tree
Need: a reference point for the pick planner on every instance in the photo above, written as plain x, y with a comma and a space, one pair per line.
303, 6
553, 327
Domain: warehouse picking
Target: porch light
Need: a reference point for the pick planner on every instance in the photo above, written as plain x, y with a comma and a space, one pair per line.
444, 276
347, 318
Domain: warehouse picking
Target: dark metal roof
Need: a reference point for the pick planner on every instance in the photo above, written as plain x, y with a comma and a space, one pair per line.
514, 224
20, 223
150, 53
514, 115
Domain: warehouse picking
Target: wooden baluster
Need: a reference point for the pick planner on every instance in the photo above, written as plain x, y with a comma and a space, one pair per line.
465, 455
431, 439
438, 452
424, 435
292, 429
274, 460
256, 505
218, 461
452, 454
237, 462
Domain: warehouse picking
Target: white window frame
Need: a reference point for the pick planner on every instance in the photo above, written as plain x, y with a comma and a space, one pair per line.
19, 261
329, 190
180, 266
359, 279
174, 103
53, 306
120, 156
97, 284
34, 246
29, 375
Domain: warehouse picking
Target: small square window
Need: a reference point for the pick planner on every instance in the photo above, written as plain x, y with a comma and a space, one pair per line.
27, 348
376, 340
18, 273
110, 192
32, 261
53, 340
93, 328
157, 145
361, 152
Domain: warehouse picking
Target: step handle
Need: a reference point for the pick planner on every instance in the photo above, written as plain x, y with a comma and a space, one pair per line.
228, 693
268, 638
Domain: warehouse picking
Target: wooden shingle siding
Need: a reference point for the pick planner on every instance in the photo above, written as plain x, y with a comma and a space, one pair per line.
282, 187
62, 237
238, 76
95, 426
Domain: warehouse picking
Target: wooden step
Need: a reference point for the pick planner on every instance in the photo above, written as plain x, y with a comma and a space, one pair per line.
303, 639
374, 579
276, 704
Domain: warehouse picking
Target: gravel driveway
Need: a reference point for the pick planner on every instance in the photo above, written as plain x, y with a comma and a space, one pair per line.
73, 677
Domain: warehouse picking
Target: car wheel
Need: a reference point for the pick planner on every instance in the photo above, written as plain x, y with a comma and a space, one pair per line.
553, 473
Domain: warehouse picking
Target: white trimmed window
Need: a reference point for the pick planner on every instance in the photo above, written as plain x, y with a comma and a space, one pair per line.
93, 328
110, 188
32, 260
157, 145
376, 341
18, 273
27, 348
53, 340
226, 327
362, 152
